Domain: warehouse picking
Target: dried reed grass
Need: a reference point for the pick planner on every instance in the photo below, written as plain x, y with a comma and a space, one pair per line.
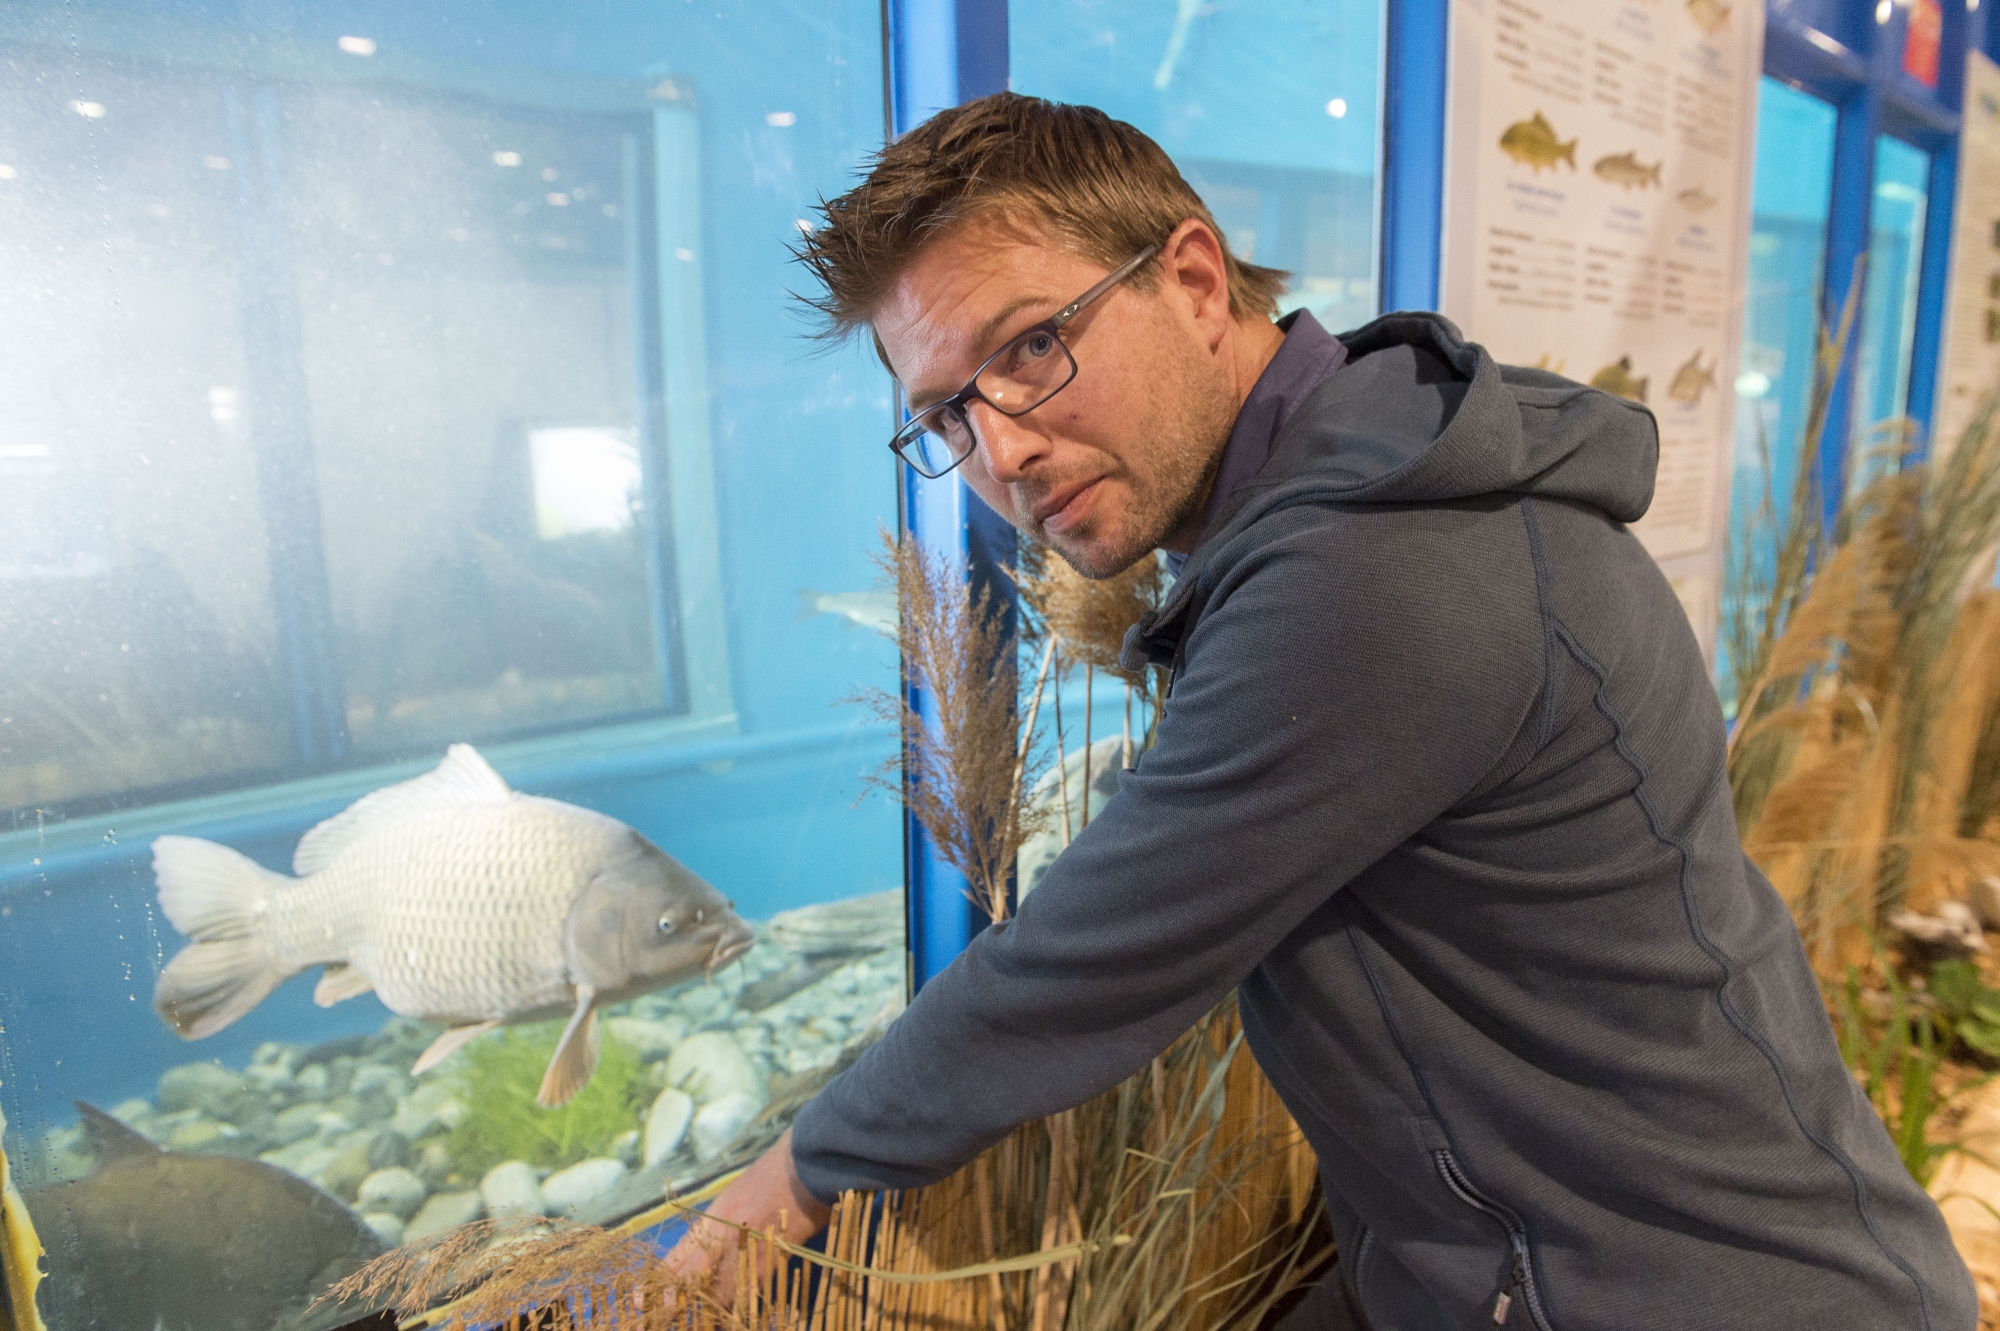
1182, 1200
1089, 616
961, 769
1865, 760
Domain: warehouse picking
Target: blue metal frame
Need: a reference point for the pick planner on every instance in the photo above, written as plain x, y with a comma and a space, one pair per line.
1813, 46
1416, 54
943, 52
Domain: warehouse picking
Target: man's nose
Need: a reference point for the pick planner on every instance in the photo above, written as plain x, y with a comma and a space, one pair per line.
1008, 448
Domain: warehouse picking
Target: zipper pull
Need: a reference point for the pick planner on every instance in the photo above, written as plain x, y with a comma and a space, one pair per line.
1505, 1303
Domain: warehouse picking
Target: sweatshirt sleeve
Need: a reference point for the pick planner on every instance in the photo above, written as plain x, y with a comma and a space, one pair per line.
1350, 680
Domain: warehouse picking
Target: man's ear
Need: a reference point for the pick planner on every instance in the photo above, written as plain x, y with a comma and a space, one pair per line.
1193, 268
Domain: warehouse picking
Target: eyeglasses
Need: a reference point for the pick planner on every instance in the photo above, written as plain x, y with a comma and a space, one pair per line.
1032, 368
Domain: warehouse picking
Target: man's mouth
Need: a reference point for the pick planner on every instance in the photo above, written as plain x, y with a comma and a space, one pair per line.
1066, 508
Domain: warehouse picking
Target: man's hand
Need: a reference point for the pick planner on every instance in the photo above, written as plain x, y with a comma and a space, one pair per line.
767, 1195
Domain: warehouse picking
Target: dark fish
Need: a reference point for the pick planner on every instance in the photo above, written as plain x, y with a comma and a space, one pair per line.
154, 1241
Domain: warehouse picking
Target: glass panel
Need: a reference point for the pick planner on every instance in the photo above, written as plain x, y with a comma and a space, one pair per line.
384, 377
1269, 111
1889, 314
1781, 314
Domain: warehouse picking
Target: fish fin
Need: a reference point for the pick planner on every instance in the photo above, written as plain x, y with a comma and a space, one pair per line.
1569, 154
217, 898
576, 1053
463, 780
340, 982
448, 1044
109, 1139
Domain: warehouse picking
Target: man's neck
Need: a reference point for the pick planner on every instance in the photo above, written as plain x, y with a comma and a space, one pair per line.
1246, 352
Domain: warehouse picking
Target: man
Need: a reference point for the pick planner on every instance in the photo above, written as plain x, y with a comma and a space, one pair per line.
1439, 788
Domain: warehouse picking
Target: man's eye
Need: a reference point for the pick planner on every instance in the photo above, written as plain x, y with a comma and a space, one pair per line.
1039, 344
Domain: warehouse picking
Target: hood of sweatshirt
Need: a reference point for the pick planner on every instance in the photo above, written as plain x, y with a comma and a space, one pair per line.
1468, 429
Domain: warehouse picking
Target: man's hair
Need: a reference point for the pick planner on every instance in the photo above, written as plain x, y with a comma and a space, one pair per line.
1103, 190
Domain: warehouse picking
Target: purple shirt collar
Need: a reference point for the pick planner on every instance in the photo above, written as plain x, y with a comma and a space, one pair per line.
1307, 358
1304, 360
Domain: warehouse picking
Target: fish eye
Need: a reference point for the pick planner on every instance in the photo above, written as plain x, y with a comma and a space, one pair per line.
666, 924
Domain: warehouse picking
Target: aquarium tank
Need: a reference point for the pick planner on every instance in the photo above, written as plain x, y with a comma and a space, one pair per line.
382, 378
436, 564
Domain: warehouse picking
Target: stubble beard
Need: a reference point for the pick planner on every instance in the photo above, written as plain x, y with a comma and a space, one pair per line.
1181, 451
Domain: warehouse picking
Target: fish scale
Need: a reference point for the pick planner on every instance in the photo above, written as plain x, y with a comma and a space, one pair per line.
455, 917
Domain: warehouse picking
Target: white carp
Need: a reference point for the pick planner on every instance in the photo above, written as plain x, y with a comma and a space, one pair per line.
454, 899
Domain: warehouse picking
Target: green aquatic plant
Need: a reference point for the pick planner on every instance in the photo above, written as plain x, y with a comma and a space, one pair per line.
1898, 1066
496, 1077
1967, 1008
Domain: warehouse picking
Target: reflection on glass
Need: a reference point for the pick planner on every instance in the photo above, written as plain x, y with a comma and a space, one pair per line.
1268, 111
380, 379
586, 480
1889, 315
1781, 314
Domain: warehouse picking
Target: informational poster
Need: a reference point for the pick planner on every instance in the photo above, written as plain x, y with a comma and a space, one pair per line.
1597, 222
1972, 312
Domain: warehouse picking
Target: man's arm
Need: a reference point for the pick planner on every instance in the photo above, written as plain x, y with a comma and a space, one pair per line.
1352, 680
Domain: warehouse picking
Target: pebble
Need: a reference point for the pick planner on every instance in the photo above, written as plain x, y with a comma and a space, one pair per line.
207, 1087
712, 1066
426, 1110
295, 1124
312, 1081
388, 1226
434, 1164
387, 1150
626, 1147
720, 1122
205, 1136
581, 1183
445, 1210
649, 1039
1107, 761
510, 1189
342, 1175
395, 1190
666, 1125
306, 1158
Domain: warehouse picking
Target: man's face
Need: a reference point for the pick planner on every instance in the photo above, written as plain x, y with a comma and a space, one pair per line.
1118, 462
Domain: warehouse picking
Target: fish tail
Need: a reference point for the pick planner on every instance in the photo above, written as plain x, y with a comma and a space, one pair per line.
218, 898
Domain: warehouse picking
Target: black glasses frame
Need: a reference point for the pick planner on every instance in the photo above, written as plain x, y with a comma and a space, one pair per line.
902, 443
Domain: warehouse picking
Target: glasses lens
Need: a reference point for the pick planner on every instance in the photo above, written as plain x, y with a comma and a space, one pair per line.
937, 440
1026, 372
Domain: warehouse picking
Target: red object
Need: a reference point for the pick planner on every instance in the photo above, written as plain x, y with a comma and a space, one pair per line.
1920, 42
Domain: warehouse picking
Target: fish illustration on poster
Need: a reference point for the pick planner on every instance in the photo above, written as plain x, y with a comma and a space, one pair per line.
1599, 157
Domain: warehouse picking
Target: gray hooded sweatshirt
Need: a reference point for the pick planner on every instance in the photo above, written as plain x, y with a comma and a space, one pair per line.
1440, 791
